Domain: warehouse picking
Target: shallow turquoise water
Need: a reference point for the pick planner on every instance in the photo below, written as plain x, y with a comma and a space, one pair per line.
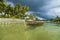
47, 31
20, 31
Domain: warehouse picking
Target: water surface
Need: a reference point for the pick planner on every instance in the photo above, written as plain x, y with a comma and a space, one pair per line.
20, 31
47, 31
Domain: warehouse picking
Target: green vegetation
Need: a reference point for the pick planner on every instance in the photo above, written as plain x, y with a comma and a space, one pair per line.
17, 11
1, 0
31, 16
57, 19
19, 30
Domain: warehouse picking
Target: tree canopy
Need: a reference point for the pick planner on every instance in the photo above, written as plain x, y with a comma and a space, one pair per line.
56, 19
1, 0
17, 11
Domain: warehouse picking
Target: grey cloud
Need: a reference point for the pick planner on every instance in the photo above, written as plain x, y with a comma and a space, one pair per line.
41, 6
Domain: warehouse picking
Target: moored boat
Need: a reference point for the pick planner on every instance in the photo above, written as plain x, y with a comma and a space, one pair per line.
31, 22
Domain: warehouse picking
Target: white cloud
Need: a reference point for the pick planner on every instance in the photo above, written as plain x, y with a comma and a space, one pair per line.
52, 8
52, 4
54, 12
9, 3
29, 12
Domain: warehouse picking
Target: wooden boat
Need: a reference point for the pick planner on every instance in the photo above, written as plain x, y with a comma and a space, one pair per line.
31, 22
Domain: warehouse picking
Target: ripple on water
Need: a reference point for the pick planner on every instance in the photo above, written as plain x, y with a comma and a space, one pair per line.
48, 31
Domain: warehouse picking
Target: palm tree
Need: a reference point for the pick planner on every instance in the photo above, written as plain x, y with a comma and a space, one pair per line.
2, 6
17, 9
9, 10
31, 16
1, 0
24, 10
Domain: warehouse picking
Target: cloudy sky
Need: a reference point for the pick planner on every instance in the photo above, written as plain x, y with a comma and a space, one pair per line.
42, 8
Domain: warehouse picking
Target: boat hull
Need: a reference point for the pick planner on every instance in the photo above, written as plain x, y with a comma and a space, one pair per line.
34, 22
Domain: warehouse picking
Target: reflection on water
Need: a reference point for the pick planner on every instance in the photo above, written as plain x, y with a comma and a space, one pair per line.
57, 24
31, 27
47, 31
45, 25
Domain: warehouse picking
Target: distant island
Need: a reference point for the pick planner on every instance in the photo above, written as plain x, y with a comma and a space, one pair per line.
56, 19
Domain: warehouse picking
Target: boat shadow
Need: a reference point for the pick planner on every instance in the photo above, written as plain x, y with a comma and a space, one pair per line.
32, 27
